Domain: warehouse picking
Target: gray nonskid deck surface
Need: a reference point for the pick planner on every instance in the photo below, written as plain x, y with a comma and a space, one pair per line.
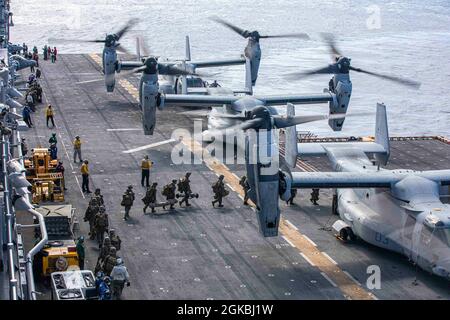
195, 253
201, 252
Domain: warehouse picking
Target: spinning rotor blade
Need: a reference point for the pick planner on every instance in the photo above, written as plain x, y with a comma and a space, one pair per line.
399, 80
288, 35
131, 23
173, 71
58, 40
249, 124
145, 49
331, 69
330, 39
122, 49
241, 32
120, 75
132, 71
247, 33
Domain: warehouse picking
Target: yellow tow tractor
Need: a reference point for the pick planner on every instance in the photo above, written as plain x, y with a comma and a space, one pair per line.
60, 254
47, 184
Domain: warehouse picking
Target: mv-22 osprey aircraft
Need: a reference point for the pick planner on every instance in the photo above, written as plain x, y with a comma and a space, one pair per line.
172, 74
166, 77
399, 210
257, 113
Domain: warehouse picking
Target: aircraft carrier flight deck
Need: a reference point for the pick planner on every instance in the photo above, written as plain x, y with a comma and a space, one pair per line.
203, 252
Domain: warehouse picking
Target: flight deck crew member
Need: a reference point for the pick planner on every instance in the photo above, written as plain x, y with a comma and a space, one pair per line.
45, 52
77, 149
315, 196
53, 139
119, 276
146, 165
85, 174
49, 115
60, 168
26, 115
53, 151
80, 252
24, 147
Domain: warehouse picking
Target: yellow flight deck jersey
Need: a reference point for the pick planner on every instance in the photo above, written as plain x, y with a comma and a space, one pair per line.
49, 112
77, 144
146, 164
84, 169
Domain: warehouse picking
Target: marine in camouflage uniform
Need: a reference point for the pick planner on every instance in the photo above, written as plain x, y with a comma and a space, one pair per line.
169, 192
127, 201
184, 188
219, 191
246, 187
315, 196
101, 225
110, 261
150, 197
104, 252
290, 201
115, 239
99, 196
90, 214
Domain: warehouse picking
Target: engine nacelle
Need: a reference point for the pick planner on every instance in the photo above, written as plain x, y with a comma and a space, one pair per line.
109, 68
264, 188
342, 93
253, 53
150, 99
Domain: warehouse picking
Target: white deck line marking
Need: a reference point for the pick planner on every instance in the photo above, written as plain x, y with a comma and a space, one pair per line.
68, 158
229, 186
148, 146
307, 259
328, 279
288, 241
374, 296
79, 186
292, 225
329, 258
124, 129
235, 175
352, 278
309, 240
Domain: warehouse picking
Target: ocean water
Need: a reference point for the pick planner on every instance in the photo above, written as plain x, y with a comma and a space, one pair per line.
406, 38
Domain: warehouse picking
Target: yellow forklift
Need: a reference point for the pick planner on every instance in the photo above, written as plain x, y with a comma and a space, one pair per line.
47, 184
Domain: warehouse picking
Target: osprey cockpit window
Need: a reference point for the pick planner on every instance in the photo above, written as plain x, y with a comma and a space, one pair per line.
443, 235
